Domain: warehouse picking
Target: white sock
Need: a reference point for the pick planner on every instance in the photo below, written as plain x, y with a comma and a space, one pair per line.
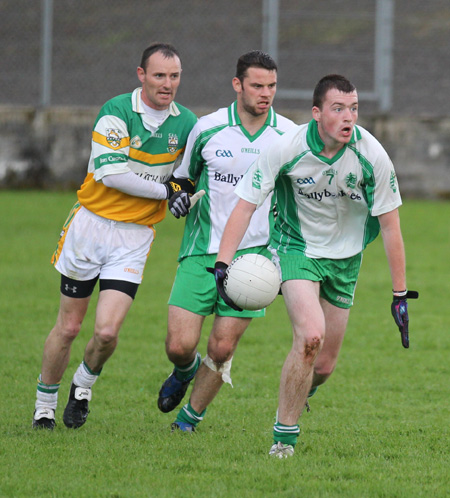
83, 378
46, 400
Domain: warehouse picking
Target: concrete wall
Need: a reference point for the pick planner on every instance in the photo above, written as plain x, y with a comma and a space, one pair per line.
51, 149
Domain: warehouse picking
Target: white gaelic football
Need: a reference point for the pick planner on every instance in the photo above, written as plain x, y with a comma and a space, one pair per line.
252, 281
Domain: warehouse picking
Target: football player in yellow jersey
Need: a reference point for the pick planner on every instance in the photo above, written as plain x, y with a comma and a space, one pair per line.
136, 141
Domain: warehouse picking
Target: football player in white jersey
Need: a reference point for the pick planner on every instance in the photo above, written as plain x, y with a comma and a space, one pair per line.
220, 148
136, 140
336, 187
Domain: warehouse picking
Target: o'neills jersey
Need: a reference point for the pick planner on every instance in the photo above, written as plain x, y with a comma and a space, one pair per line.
218, 153
122, 142
327, 208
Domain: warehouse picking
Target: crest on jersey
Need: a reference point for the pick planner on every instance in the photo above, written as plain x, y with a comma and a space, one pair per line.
173, 143
136, 142
350, 180
393, 181
113, 137
257, 179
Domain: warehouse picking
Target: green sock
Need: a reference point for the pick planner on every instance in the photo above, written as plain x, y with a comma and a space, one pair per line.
187, 372
189, 415
286, 434
313, 391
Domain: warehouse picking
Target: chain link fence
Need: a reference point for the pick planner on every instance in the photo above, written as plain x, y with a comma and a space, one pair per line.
97, 45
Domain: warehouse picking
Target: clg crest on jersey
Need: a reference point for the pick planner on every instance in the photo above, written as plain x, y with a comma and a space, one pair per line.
173, 143
136, 142
113, 137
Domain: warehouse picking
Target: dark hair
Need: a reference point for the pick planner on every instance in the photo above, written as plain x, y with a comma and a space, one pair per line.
166, 49
327, 83
255, 58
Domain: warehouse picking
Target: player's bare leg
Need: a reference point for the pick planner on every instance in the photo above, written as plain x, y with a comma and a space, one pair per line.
56, 358
183, 336
336, 320
112, 308
58, 343
308, 322
214, 371
222, 343
308, 327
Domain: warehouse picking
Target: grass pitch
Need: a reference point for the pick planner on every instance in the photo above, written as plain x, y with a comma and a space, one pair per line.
378, 428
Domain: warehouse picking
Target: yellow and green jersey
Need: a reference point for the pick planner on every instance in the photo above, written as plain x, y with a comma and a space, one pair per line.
122, 141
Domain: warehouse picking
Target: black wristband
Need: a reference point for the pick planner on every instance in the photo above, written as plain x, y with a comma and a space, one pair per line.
220, 265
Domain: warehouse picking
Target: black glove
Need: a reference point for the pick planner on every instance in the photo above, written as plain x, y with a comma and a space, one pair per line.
399, 310
174, 185
220, 273
179, 204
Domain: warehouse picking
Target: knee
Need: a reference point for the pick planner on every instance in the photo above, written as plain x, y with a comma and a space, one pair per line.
221, 351
220, 355
178, 349
324, 367
106, 336
313, 345
310, 346
323, 371
68, 330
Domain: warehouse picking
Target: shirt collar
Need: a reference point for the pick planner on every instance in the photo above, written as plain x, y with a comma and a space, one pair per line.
316, 144
235, 120
137, 105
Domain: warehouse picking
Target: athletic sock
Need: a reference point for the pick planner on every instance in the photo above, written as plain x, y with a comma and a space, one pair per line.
312, 391
46, 395
188, 371
84, 376
286, 434
188, 415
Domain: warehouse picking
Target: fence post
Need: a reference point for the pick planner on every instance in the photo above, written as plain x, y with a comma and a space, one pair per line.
46, 52
384, 27
270, 28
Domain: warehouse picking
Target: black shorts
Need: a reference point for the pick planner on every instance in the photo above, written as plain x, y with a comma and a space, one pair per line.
84, 288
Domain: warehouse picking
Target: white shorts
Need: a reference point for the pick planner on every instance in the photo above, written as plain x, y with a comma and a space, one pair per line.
92, 246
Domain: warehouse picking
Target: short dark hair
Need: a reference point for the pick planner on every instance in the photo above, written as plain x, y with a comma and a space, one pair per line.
255, 58
166, 49
327, 83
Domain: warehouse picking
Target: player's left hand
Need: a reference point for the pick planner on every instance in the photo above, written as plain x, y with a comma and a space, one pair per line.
179, 204
399, 310
220, 272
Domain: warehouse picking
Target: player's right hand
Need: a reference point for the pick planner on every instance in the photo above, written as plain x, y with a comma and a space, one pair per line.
220, 272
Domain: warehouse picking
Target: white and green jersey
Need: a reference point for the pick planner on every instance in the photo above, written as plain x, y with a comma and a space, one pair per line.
327, 208
218, 153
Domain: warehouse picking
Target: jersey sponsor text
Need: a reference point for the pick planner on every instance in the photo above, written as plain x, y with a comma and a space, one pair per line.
228, 178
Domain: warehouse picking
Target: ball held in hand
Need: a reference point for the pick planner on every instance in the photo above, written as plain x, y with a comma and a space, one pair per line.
252, 281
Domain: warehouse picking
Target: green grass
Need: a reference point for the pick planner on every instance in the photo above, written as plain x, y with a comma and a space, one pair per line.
378, 428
